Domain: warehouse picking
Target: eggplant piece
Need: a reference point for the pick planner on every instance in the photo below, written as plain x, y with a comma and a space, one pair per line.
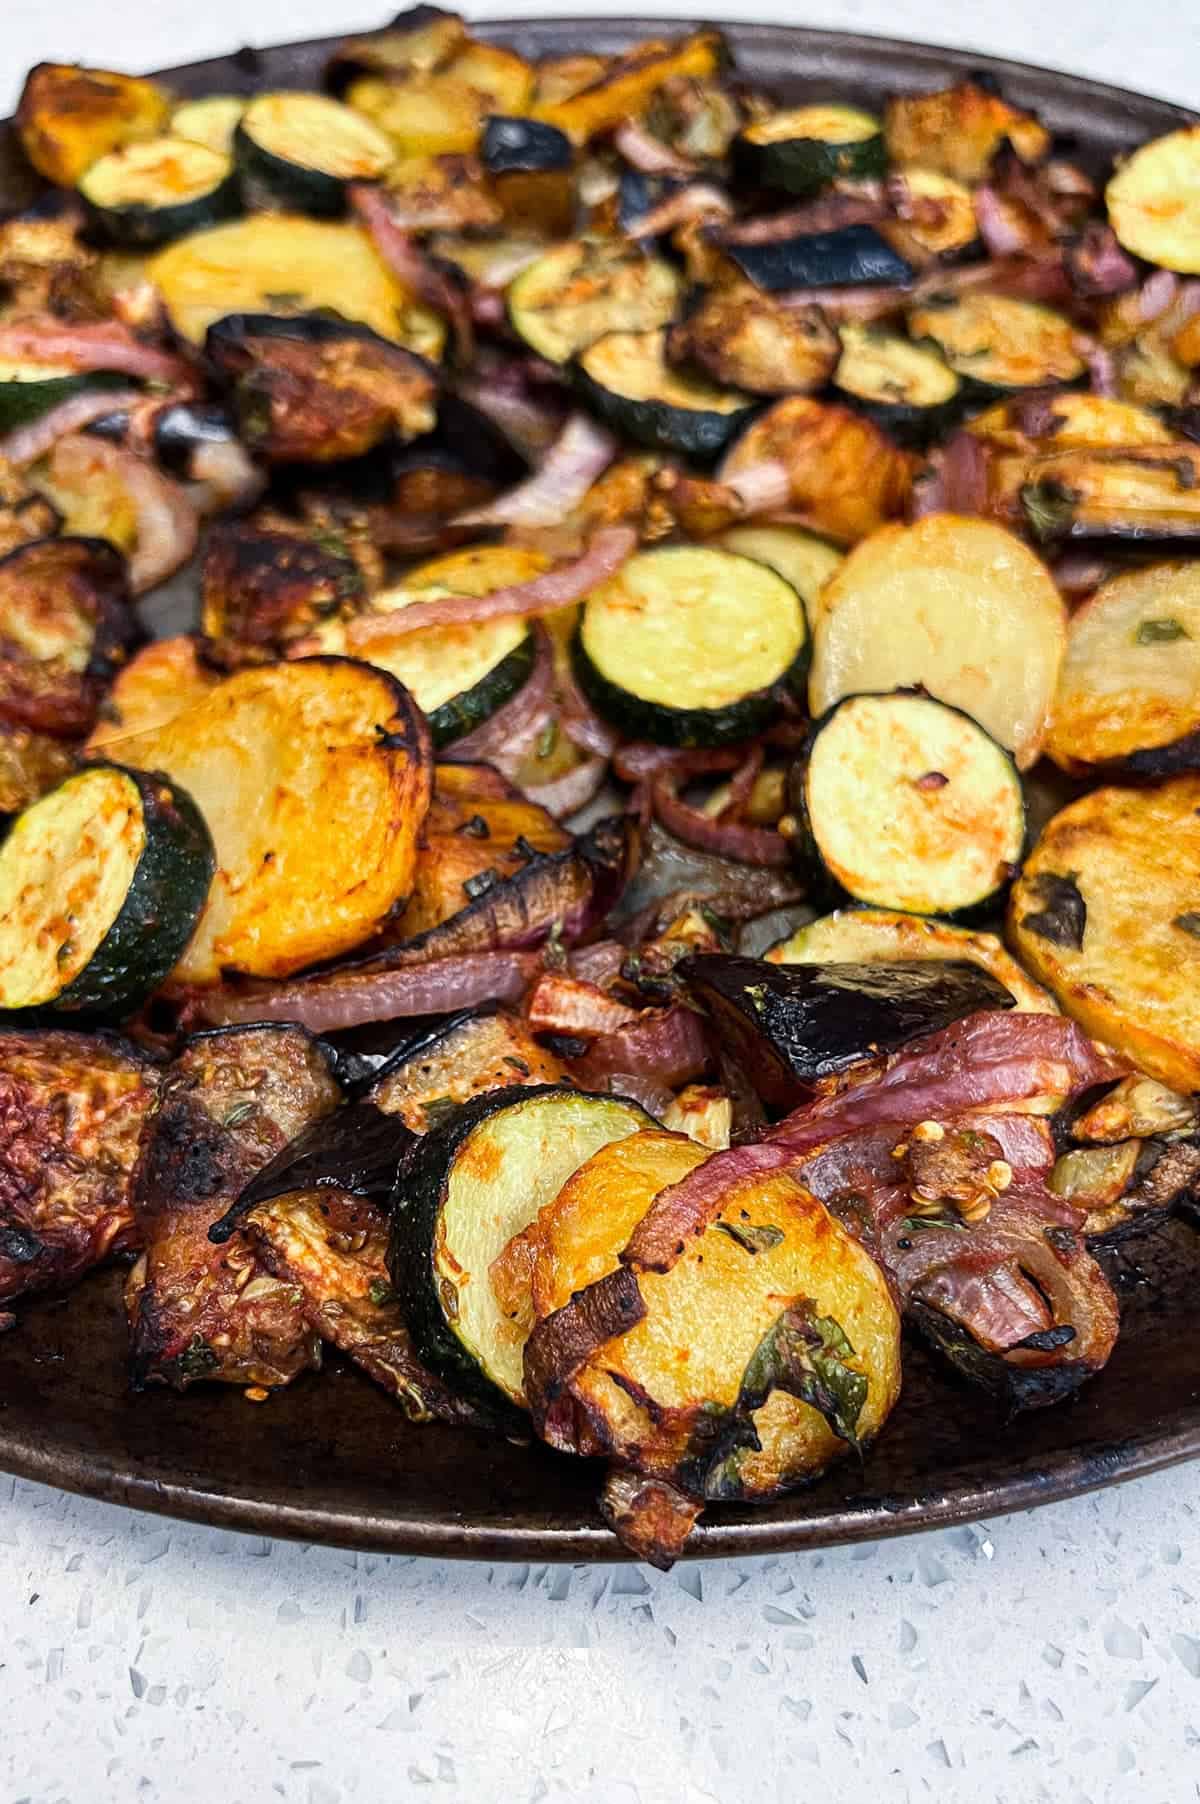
357, 1150
266, 582
317, 390
30, 765
529, 163
791, 1025
742, 339
72, 1109
849, 256
464, 1056
198, 1310
66, 626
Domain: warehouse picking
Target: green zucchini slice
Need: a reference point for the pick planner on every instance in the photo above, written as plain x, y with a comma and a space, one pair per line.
211, 120
689, 646
1154, 201
801, 558
101, 884
908, 389
152, 192
936, 214
907, 804
804, 148
304, 150
464, 1191
997, 344
577, 292
28, 390
625, 378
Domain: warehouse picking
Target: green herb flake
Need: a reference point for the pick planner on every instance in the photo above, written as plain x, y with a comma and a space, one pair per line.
1188, 923
915, 1223
1049, 508
480, 884
380, 1292
240, 1112
439, 1110
547, 739
198, 1359
806, 1356
758, 1237
1163, 631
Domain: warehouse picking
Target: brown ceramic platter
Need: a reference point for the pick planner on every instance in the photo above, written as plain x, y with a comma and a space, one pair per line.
331, 1458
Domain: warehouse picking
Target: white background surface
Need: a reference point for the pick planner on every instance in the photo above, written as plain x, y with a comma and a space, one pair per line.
1052, 1658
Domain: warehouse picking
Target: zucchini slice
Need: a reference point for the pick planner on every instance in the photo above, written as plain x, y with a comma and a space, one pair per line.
997, 344
803, 560
579, 291
459, 675
849, 256
1105, 914
101, 885
672, 1398
909, 390
464, 1191
804, 148
68, 117
285, 264
907, 804
148, 193
741, 337
957, 606
1129, 693
869, 936
625, 378
269, 752
1154, 201
958, 131
28, 390
211, 120
305, 149
690, 646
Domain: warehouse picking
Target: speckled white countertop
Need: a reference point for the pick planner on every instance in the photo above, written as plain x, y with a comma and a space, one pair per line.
1052, 1658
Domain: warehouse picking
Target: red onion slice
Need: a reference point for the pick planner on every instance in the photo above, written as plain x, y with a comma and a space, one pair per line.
409, 264
698, 201
643, 151
566, 795
167, 524
339, 999
513, 728
25, 444
580, 454
105, 345
727, 839
760, 488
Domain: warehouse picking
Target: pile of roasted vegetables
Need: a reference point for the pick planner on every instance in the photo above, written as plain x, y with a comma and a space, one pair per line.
793, 501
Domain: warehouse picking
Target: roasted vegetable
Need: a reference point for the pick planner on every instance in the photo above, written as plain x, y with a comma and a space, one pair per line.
283, 896
29, 390
845, 478
30, 764
314, 390
804, 148
629, 83
935, 216
688, 646
1105, 914
147, 193
25, 513
578, 291
66, 626
69, 117
847, 256
1149, 493
72, 1108
907, 804
266, 585
915, 605
211, 120
160, 681
199, 1309
742, 338
907, 389
958, 131
1152, 201
305, 149
529, 164
416, 42
997, 344
806, 562
464, 1191
468, 1055
624, 377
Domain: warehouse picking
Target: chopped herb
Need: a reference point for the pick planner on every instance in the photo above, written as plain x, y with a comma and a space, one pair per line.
240, 1112
1188, 923
759, 1237
916, 1222
1159, 632
547, 739
480, 884
1049, 508
1063, 921
439, 1110
475, 828
197, 1360
806, 1356
380, 1292
554, 957
517, 1064
285, 297
757, 992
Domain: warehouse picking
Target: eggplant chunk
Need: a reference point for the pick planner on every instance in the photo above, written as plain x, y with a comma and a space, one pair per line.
465, 1056
315, 390
765, 1350
1106, 913
742, 339
788, 1026
66, 625
72, 1109
266, 585
199, 1309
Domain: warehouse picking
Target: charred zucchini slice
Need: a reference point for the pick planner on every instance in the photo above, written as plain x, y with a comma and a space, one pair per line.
101, 885
915, 605
148, 193
846, 257
579, 291
459, 675
908, 804
626, 379
1129, 693
1105, 913
804, 148
285, 264
28, 390
68, 117
211, 120
997, 344
880, 936
1154, 201
464, 1191
304, 149
908, 389
689, 646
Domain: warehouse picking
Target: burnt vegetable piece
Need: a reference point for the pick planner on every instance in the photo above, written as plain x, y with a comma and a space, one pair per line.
529, 164
742, 339
266, 584
788, 1026
317, 390
847, 256
997, 344
465, 1056
66, 627
199, 1310
845, 478
72, 1108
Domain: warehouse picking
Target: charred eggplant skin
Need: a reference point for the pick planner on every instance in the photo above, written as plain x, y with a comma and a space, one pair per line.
523, 146
849, 256
788, 1026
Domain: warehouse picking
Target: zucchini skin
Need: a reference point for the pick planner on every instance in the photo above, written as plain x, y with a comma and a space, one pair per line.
686, 727
455, 718
21, 402
850, 256
805, 165
310, 191
698, 433
142, 227
912, 428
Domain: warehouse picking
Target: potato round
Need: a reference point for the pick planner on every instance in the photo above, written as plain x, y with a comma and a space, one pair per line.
1154, 201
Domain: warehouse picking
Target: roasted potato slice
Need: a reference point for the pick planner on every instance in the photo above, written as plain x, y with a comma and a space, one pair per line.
163, 679
846, 477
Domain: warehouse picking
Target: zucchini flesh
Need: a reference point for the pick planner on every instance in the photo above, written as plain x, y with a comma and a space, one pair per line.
803, 560
211, 120
458, 675
1124, 960
577, 292
909, 805
906, 388
150, 192
101, 885
305, 148
958, 606
997, 344
879, 936
1130, 686
285, 264
686, 645
1138, 494
1154, 201
1068, 421
649, 1394
69, 117
805, 148
625, 378
465, 1190
28, 390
